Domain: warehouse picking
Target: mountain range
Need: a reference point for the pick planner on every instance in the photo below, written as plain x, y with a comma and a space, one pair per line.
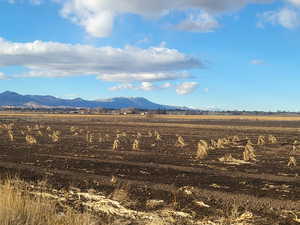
9, 98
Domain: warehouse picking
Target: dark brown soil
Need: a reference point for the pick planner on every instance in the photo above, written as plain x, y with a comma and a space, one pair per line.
159, 166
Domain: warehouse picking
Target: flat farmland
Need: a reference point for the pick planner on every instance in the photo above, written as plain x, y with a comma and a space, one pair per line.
76, 151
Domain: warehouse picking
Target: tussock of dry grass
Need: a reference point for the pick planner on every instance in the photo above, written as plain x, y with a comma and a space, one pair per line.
18, 208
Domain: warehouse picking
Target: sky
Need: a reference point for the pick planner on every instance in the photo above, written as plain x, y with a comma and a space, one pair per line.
206, 54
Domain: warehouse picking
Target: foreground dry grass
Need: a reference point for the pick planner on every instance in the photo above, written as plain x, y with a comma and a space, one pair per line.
18, 208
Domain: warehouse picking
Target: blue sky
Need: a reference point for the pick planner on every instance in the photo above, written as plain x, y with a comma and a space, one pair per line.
230, 54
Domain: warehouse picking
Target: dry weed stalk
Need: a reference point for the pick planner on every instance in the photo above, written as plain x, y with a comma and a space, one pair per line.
202, 150
30, 140
292, 162
136, 145
249, 153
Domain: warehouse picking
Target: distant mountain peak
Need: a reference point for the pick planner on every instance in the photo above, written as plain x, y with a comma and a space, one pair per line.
9, 98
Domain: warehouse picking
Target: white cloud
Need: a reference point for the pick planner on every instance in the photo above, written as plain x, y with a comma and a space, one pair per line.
97, 16
294, 2
129, 77
144, 86
257, 62
34, 2
181, 88
52, 59
186, 88
286, 17
202, 22
3, 76
121, 87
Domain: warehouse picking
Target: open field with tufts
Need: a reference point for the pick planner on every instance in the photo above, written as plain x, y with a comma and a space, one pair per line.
200, 169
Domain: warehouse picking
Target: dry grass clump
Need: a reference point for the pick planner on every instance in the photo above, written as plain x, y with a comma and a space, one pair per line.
116, 144
213, 144
10, 135
157, 135
180, 142
136, 145
202, 150
89, 137
294, 150
272, 139
18, 208
30, 140
249, 153
261, 140
220, 143
54, 136
292, 162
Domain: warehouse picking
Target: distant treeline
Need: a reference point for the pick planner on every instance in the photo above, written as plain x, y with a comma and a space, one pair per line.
141, 111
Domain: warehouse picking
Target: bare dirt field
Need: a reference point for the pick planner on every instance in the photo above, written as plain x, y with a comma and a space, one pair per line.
75, 152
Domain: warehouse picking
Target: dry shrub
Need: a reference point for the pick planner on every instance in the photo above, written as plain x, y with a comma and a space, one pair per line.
249, 153
30, 140
202, 150
18, 208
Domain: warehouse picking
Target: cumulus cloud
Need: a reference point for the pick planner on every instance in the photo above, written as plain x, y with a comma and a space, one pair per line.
97, 16
186, 88
52, 59
202, 22
285, 17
